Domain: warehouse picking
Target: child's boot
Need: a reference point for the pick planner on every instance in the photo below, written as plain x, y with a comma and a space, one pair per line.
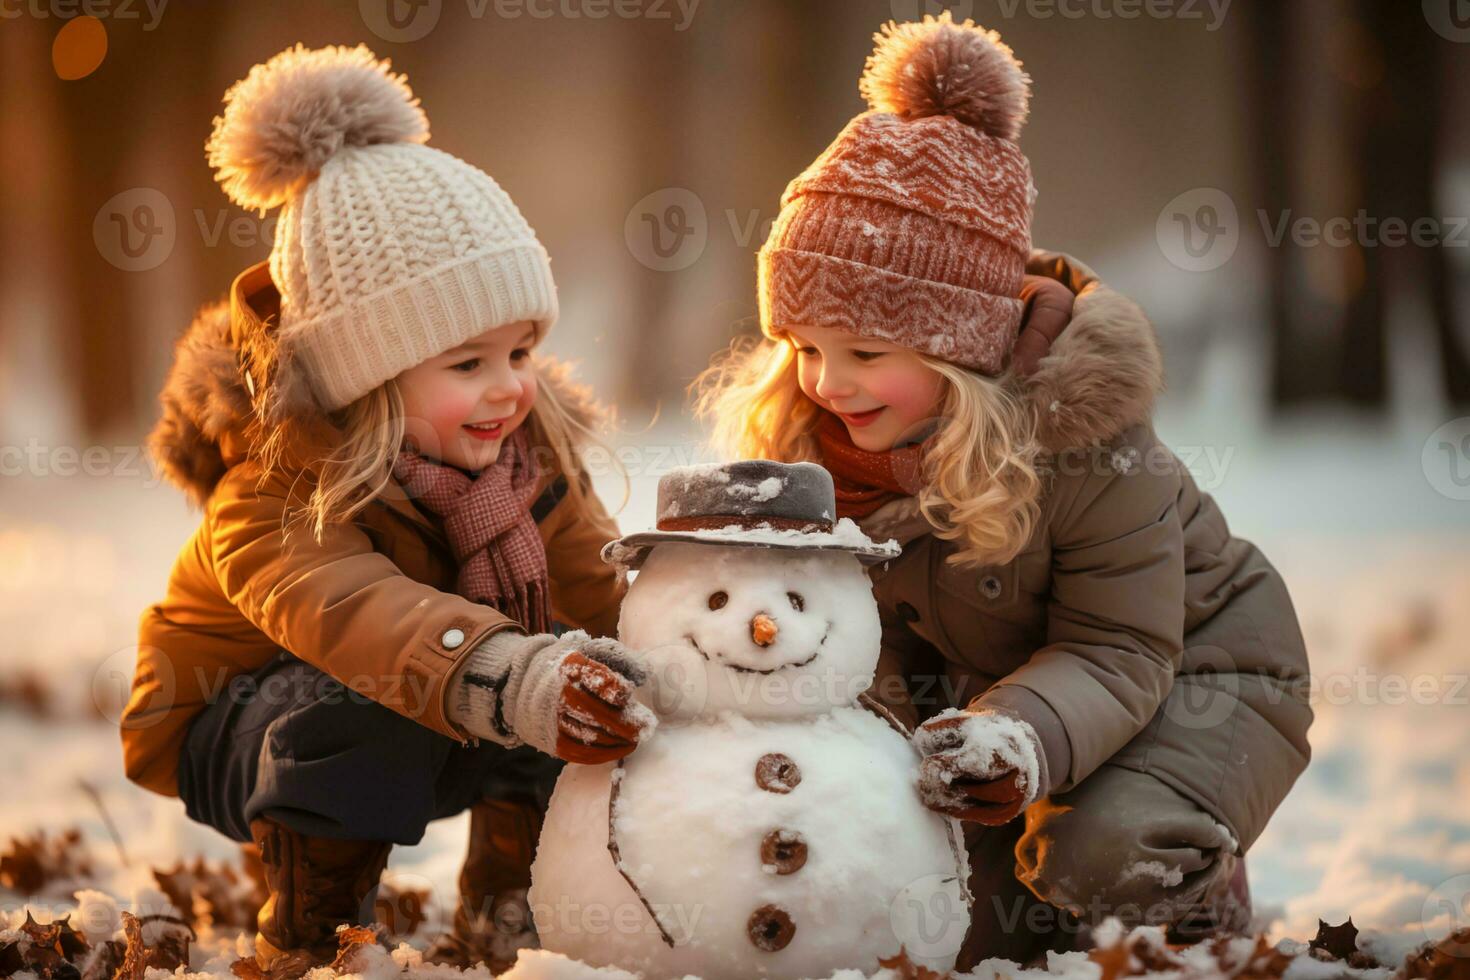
315, 884
493, 919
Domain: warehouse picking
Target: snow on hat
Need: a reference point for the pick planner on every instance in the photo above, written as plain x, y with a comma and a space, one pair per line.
387, 251
914, 225
754, 503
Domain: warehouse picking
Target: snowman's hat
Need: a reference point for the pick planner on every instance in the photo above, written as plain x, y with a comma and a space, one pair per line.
755, 503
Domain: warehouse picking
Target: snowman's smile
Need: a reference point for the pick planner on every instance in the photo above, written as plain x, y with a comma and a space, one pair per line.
727, 662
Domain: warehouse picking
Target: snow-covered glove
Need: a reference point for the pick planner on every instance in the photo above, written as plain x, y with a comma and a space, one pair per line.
569, 696
981, 765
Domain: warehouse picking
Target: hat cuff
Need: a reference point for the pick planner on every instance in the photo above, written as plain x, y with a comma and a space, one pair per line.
967, 327
631, 550
376, 337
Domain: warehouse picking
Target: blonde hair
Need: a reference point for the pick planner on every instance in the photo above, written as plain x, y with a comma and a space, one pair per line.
369, 433
982, 475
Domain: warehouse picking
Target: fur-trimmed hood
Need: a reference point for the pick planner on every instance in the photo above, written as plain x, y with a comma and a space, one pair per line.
1102, 375
207, 405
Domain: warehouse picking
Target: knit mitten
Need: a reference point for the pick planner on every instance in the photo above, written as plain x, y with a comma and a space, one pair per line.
981, 765
569, 696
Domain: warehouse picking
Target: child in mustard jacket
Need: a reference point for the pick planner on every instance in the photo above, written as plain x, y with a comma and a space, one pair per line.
358, 638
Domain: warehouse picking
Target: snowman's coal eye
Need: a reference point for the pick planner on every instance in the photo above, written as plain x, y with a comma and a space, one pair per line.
797, 602
717, 600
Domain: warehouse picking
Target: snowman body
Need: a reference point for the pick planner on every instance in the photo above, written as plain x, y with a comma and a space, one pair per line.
771, 826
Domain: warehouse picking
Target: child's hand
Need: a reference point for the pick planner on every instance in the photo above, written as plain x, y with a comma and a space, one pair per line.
569, 696
597, 719
978, 765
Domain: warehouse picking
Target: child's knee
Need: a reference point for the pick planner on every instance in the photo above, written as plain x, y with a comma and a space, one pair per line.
1144, 857
335, 730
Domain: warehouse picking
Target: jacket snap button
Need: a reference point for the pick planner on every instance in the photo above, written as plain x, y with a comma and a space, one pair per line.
908, 613
990, 586
452, 638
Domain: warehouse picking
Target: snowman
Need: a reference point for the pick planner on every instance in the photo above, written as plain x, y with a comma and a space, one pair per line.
771, 826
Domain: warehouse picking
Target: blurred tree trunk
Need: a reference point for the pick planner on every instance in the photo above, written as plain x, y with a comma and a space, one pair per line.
1401, 133
107, 155
1366, 74
1270, 42
665, 69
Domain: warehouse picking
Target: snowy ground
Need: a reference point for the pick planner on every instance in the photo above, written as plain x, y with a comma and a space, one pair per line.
1377, 562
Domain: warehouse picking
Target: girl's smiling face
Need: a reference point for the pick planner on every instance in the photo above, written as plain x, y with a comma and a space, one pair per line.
883, 393
461, 405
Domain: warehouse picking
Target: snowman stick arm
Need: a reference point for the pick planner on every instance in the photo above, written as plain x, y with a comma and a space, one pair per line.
883, 711
951, 825
617, 776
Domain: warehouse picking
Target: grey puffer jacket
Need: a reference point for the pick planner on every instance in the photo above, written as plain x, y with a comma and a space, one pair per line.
1133, 629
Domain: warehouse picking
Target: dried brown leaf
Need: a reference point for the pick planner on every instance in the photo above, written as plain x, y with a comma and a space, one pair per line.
351, 940
32, 862
1447, 959
908, 969
211, 893
1339, 941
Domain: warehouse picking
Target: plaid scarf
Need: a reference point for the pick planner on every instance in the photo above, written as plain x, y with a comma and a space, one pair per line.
863, 480
487, 518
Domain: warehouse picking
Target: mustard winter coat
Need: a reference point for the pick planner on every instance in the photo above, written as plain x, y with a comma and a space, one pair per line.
373, 605
1133, 629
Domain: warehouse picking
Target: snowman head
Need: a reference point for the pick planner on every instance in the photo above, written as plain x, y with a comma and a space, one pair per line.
750, 597
762, 632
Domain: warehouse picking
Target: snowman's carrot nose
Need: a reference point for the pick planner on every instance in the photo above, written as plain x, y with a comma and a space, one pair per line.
763, 630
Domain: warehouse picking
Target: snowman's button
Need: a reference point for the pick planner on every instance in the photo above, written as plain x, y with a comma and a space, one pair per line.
783, 850
990, 586
770, 928
777, 773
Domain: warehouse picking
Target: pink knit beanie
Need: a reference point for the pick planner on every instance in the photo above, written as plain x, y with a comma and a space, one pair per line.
914, 225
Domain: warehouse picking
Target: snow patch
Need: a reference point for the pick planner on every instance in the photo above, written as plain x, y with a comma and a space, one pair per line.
768, 489
1155, 870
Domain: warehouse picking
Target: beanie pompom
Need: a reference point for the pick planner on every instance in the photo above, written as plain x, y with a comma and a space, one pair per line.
936, 67
288, 116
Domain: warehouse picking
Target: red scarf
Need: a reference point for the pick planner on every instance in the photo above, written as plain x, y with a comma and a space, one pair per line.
865, 480
487, 518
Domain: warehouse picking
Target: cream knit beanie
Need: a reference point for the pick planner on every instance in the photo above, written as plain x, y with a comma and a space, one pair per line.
387, 252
